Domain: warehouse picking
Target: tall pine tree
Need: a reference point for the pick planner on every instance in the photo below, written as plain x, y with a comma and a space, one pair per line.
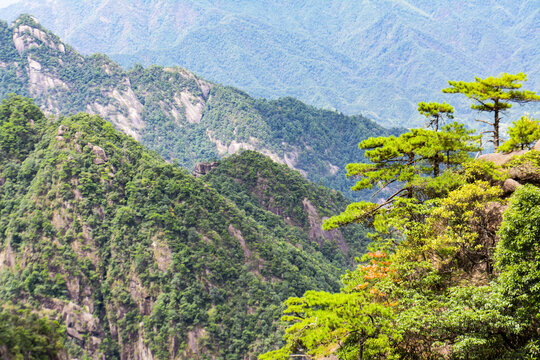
494, 95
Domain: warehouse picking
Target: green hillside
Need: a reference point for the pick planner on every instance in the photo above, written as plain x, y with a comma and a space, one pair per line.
452, 270
281, 198
133, 256
178, 114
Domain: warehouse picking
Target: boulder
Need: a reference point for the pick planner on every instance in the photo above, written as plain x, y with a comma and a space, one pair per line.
510, 185
62, 130
203, 168
526, 173
501, 158
101, 157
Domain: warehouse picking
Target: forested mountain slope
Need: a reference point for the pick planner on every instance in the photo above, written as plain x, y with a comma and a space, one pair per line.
376, 57
138, 259
176, 113
276, 196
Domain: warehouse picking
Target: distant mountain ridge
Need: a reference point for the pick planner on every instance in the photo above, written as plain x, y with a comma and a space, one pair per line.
379, 58
178, 114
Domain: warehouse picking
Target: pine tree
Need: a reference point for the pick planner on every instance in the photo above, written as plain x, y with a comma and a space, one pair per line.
524, 132
494, 94
435, 113
408, 160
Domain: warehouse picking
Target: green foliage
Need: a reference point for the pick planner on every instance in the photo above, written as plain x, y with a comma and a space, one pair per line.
8, 51
435, 302
322, 320
20, 122
181, 116
80, 203
168, 131
279, 197
432, 286
352, 324
406, 160
517, 251
523, 134
435, 113
494, 94
12, 79
318, 142
308, 51
26, 335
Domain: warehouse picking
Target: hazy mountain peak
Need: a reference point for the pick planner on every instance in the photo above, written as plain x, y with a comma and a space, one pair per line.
324, 53
28, 33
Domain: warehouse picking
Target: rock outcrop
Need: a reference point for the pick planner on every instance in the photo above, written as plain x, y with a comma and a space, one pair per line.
526, 172
203, 168
500, 159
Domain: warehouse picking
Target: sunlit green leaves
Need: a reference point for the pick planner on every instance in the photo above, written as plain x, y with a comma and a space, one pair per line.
525, 132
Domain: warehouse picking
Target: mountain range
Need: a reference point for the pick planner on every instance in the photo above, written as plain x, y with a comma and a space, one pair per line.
109, 250
150, 213
379, 58
180, 115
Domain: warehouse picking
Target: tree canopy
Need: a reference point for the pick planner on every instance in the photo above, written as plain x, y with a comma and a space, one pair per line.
435, 113
494, 94
408, 161
523, 134
435, 284
20, 120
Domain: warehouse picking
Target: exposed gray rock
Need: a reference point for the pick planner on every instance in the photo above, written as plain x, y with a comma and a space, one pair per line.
500, 158
62, 130
526, 173
74, 334
316, 233
510, 185
203, 168
101, 157
81, 325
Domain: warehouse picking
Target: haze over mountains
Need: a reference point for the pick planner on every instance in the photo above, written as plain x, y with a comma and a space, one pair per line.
178, 114
376, 57
111, 250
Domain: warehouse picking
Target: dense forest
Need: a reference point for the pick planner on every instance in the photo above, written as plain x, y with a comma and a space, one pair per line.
112, 250
109, 251
132, 255
176, 113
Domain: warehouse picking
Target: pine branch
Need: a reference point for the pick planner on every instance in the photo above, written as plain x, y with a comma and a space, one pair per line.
484, 121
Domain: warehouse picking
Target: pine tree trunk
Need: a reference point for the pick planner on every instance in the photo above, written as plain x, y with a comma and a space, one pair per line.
496, 125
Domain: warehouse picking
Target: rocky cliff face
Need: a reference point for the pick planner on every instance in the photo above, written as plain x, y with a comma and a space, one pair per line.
140, 260
173, 111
